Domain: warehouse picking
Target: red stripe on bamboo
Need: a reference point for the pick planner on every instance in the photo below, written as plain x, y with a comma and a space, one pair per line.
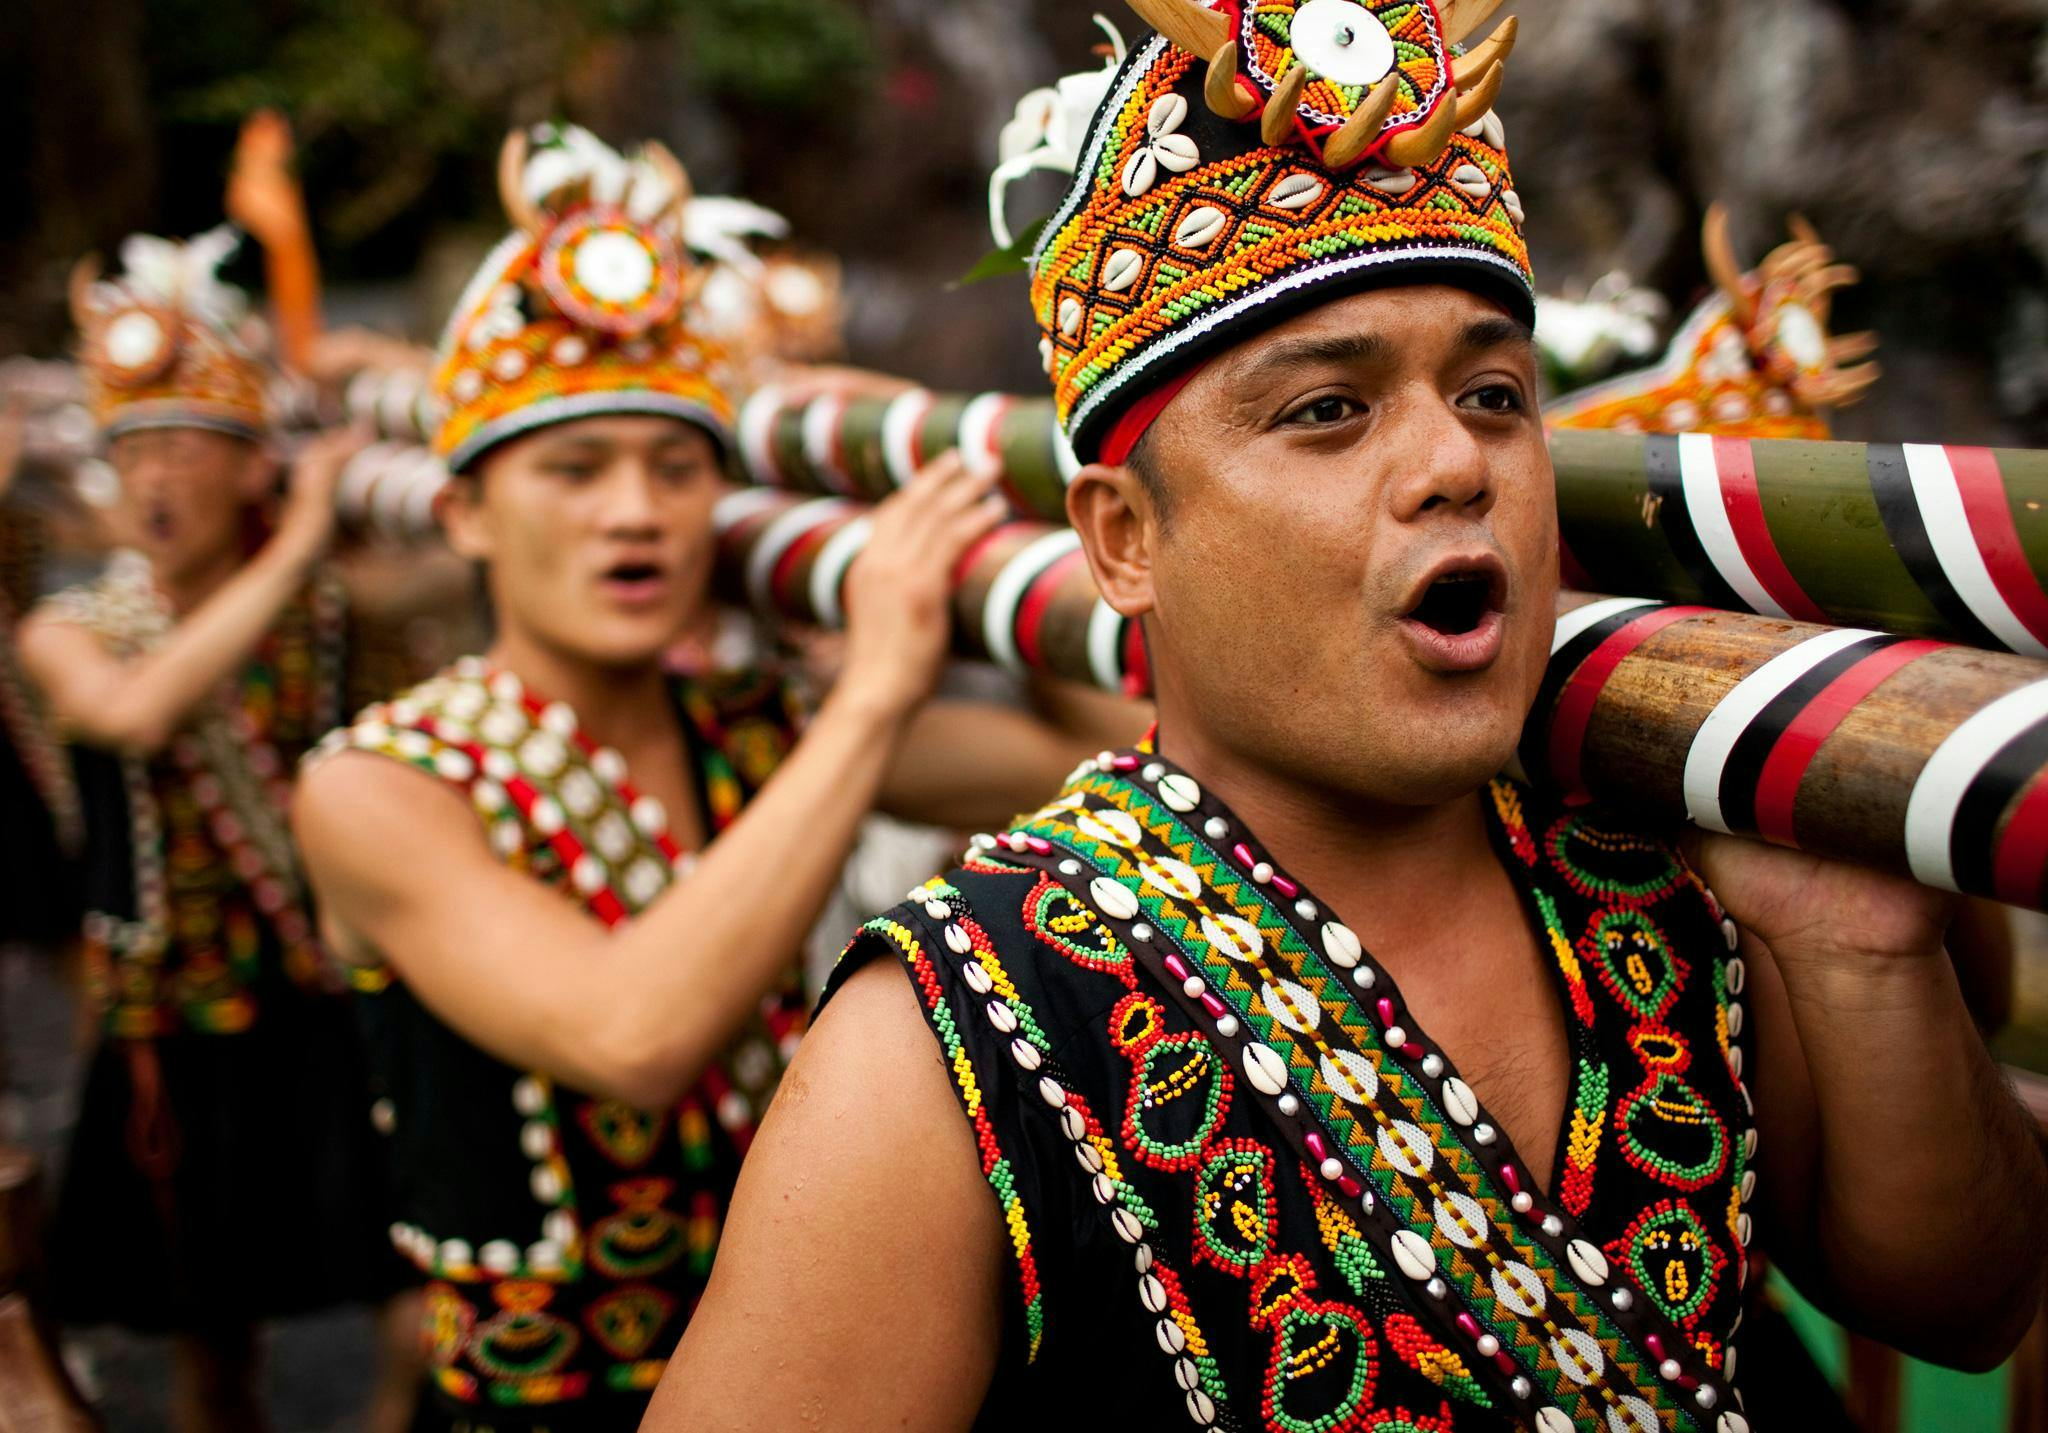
1137, 665
1735, 464
806, 544
2023, 849
1777, 785
1031, 611
1574, 708
1982, 488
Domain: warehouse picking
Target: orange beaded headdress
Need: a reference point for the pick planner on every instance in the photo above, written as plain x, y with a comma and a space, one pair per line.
168, 344
1259, 157
585, 308
1755, 360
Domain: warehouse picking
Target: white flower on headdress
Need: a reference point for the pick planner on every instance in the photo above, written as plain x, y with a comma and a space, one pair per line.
569, 154
185, 275
720, 228
1048, 131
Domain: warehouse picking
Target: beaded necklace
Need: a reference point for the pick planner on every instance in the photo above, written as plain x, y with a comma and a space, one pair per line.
232, 786
1398, 1146
560, 805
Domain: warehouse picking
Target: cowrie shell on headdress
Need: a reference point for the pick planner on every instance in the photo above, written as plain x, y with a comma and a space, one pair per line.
1199, 228
1472, 180
1121, 270
1297, 191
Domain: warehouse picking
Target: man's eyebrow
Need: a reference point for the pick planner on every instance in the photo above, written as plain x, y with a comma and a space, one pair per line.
574, 446
1338, 351
1497, 332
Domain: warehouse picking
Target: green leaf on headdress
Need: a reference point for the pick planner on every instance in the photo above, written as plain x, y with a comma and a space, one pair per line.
999, 263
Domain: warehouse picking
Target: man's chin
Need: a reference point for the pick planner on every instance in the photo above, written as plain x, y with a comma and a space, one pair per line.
1428, 761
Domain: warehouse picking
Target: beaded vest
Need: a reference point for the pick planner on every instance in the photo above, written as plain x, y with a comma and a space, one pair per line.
195, 901
1244, 1189
564, 1239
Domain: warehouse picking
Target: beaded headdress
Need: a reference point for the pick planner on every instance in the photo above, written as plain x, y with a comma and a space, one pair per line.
168, 344
1755, 359
586, 307
1260, 157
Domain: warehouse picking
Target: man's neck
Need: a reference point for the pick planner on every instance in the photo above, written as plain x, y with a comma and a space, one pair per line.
1373, 862
626, 707
185, 591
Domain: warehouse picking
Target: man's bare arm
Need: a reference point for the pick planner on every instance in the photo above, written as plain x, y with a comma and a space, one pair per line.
137, 705
862, 1234
1908, 1195
401, 869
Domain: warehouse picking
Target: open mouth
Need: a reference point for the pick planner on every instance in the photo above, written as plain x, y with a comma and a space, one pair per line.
1456, 604
1455, 623
635, 583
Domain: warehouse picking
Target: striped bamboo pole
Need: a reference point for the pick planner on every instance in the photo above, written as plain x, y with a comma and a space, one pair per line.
1903, 753
1024, 599
1915, 538
867, 447
1909, 754
1918, 539
387, 491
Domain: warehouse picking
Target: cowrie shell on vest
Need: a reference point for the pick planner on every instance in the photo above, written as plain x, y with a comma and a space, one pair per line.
1264, 1068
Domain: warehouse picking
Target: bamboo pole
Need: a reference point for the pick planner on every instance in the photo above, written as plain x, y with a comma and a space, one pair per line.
1921, 539
1908, 754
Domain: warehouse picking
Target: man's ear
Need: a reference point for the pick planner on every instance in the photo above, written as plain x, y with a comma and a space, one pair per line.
458, 507
262, 474
1119, 530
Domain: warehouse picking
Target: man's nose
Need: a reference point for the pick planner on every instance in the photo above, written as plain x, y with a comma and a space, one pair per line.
632, 500
1449, 471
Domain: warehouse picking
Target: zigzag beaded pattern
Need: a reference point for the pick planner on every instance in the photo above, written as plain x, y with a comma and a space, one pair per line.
1387, 1126
1134, 1014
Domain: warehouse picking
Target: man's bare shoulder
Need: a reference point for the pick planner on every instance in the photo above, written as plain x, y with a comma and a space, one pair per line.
361, 807
865, 1177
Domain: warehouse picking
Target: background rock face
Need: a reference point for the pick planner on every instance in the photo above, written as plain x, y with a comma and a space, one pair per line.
1914, 133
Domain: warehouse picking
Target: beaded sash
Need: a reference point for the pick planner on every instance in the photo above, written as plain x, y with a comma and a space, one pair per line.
1403, 1148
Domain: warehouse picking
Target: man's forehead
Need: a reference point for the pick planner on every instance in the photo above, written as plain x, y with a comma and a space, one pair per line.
1381, 324
619, 431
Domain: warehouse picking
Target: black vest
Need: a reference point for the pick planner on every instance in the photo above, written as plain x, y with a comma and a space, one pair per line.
1245, 1190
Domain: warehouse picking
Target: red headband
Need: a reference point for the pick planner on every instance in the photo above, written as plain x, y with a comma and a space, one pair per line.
1140, 416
